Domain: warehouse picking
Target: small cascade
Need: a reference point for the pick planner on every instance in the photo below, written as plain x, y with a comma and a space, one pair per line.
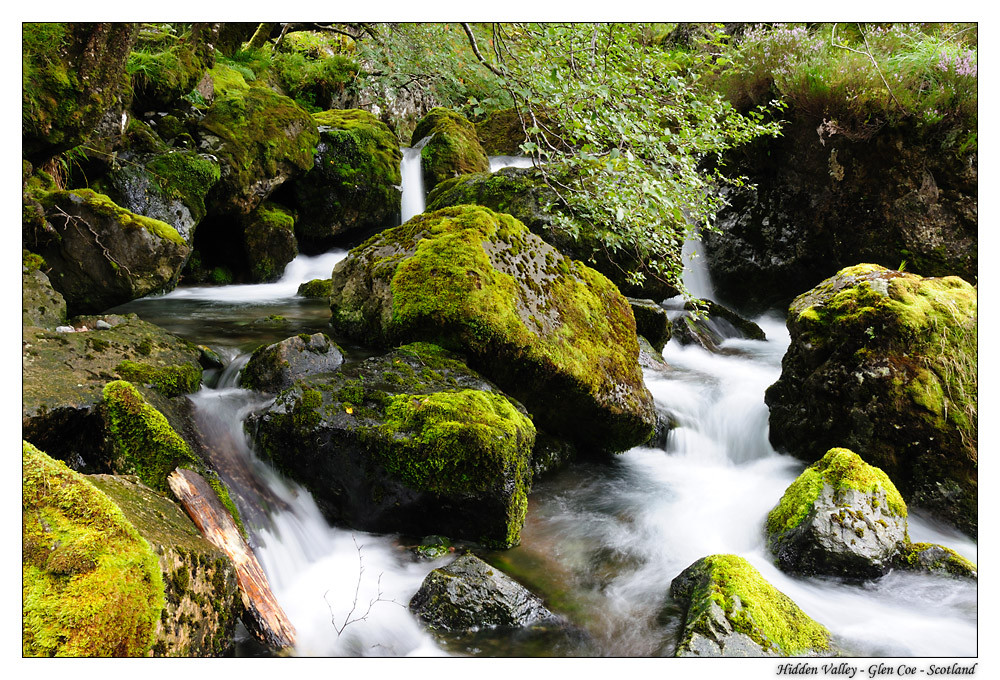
414, 200
696, 277
501, 162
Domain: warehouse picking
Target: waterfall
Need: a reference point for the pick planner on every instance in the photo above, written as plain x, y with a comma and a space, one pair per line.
696, 277
413, 200
501, 162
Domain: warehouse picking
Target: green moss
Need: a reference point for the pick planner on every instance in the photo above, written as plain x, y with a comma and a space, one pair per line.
937, 558
314, 83
102, 205
186, 176
164, 67
30, 262
317, 288
141, 437
91, 585
757, 609
227, 501
841, 469
453, 150
170, 381
227, 80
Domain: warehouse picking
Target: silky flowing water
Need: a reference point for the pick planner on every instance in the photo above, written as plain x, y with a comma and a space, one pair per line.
602, 540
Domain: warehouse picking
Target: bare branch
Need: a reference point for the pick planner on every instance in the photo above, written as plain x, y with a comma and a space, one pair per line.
350, 618
475, 50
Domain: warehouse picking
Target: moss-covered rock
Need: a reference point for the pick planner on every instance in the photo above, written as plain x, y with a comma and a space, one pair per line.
732, 611
101, 255
273, 368
262, 139
353, 182
201, 598
164, 66
91, 585
651, 322
936, 559
63, 377
453, 150
501, 133
840, 517
41, 305
524, 194
551, 332
72, 74
412, 442
316, 288
469, 595
269, 241
886, 363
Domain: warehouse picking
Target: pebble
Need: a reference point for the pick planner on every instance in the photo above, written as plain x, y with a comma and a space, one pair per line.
65, 329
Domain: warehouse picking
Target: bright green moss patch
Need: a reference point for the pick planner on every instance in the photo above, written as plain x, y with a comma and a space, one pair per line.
757, 609
227, 80
91, 585
187, 176
453, 150
142, 438
102, 205
170, 381
316, 288
30, 262
932, 557
840, 468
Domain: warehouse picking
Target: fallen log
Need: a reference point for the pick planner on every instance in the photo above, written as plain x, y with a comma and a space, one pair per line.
263, 617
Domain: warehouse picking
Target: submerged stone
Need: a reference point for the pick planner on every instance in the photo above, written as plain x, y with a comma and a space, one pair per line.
886, 362
840, 517
551, 332
730, 610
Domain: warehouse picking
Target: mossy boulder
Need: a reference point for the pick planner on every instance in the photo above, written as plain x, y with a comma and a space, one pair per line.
501, 133
269, 241
64, 374
201, 599
72, 75
453, 149
886, 362
525, 194
316, 288
169, 186
262, 139
412, 442
551, 332
730, 610
273, 368
91, 585
469, 595
840, 517
352, 185
101, 255
707, 323
165, 66
936, 559
41, 305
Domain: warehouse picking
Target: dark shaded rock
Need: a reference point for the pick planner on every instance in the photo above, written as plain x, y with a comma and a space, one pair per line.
453, 149
707, 324
818, 202
841, 517
886, 363
353, 183
100, 255
201, 599
524, 194
412, 442
551, 332
651, 322
269, 241
41, 305
730, 610
469, 594
650, 357
272, 368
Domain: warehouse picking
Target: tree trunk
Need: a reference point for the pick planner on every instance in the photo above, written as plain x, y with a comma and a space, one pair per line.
263, 616
261, 36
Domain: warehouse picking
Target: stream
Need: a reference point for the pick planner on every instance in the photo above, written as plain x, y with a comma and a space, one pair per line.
602, 540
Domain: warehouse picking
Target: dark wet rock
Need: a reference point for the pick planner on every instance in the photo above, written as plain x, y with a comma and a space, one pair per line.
730, 610
651, 322
269, 241
707, 324
469, 594
841, 517
936, 559
272, 368
886, 363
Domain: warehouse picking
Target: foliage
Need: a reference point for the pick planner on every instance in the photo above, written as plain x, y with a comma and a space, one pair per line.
859, 77
632, 125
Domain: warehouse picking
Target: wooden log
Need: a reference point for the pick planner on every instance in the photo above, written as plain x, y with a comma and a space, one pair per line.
264, 617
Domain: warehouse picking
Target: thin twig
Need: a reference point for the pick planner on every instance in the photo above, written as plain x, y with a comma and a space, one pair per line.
867, 53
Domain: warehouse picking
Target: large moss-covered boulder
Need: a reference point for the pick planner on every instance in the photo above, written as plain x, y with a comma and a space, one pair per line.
453, 149
353, 182
262, 139
269, 241
840, 517
165, 66
64, 374
72, 75
551, 332
91, 585
886, 363
101, 255
412, 442
41, 305
525, 194
818, 201
273, 368
169, 186
730, 610
469, 595
201, 598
